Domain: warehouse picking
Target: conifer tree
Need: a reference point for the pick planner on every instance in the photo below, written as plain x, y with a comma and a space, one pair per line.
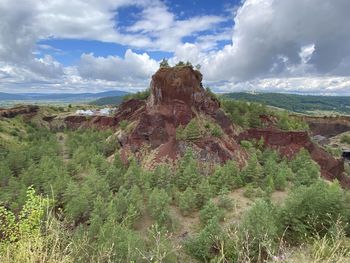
192, 130
187, 201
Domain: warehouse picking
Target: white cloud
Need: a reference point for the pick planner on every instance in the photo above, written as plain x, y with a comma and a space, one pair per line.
290, 45
133, 67
271, 34
303, 85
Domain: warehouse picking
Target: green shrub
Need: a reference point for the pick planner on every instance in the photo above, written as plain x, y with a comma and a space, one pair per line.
192, 130
282, 175
225, 202
161, 247
345, 139
260, 230
140, 95
313, 210
158, 207
206, 244
306, 171
216, 131
187, 201
123, 124
204, 193
210, 211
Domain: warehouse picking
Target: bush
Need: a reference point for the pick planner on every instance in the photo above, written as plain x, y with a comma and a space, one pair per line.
210, 211
225, 202
305, 169
123, 124
314, 209
158, 207
216, 131
260, 230
345, 139
206, 244
187, 201
204, 193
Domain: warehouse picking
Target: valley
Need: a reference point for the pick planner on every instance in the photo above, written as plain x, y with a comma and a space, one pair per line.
176, 174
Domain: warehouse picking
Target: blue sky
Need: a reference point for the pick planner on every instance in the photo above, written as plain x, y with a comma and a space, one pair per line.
98, 45
68, 51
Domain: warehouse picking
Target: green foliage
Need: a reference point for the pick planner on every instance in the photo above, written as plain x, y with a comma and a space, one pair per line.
140, 95
161, 248
305, 169
123, 124
314, 209
79, 198
180, 64
158, 207
100, 207
210, 211
259, 230
345, 138
225, 202
297, 103
192, 130
226, 177
288, 123
187, 201
28, 222
110, 100
164, 63
283, 173
253, 172
187, 174
216, 131
243, 113
204, 192
205, 245
162, 177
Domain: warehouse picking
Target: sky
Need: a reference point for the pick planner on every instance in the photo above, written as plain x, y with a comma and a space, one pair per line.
294, 46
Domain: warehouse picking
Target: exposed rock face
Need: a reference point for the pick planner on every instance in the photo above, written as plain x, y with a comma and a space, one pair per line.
176, 97
21, 110
290, 143
327, 126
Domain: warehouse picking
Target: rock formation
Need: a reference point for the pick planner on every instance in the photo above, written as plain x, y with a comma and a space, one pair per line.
20, 110
177, 96
327, 126
290, 143
147, 129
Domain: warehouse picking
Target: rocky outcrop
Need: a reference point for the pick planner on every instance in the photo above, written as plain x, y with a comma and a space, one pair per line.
20, 110
290, 143
327, 126
177, 96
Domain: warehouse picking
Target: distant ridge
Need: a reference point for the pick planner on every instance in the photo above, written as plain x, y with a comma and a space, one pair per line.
68, 97
112, 100
297, 103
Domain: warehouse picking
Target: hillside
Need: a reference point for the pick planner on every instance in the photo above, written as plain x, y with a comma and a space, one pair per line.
112, 100
61, 97
175, 175
297, 103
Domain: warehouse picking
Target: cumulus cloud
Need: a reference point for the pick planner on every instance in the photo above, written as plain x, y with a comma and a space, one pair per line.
302, 85
133, 67
290, 45
273, 37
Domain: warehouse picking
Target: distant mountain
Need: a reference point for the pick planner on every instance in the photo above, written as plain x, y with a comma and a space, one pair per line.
66, 97
297, 103
113, 100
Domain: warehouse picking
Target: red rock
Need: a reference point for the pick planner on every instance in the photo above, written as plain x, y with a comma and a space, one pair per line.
290, 143
327, 126
176, 97
20, 110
